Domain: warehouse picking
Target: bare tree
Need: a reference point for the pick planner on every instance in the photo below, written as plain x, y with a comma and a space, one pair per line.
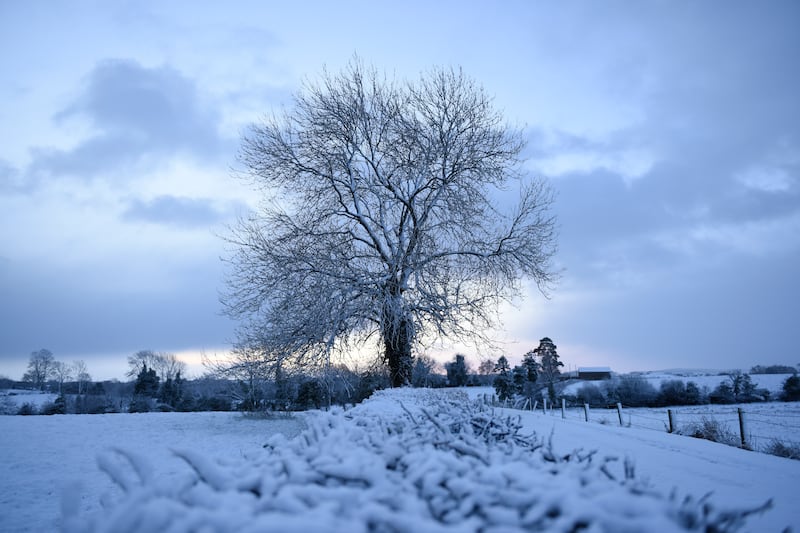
381, 218
166, 365
82, 376
40, 368
139, 360
61, 372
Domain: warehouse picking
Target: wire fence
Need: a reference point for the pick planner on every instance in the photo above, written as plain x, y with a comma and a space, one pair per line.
757, 426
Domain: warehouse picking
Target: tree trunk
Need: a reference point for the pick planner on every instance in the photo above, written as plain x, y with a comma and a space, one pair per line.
397, 334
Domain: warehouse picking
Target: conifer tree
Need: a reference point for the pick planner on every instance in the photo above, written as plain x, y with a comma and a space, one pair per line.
503, 384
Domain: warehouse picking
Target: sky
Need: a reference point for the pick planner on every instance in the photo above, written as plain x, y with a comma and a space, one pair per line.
670, 132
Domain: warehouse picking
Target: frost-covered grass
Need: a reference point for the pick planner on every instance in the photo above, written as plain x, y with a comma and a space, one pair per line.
405, 461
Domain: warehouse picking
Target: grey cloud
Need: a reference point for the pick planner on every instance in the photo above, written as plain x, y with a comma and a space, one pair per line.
69, 314
11, 180
176, 211
138, 112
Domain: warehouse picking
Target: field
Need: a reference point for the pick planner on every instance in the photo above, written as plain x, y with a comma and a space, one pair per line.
50, 469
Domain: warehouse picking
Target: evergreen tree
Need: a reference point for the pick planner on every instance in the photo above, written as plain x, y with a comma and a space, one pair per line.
457, 371
549, 365
531, 366
146, 383
519, 376
503, 383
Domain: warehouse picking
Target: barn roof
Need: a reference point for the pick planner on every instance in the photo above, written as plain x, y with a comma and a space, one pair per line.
594, 369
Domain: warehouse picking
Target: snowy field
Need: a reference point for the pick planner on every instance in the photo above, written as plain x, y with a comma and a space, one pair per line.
346, 466
45, 458
765, 423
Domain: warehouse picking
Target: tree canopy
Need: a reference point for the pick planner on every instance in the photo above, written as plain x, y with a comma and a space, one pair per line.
381, 219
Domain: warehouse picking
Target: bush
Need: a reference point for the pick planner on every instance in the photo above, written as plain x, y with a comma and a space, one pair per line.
27, 409
632, 392
713, 430
139, 404
777, 447
591, 394
58, 407
791, 389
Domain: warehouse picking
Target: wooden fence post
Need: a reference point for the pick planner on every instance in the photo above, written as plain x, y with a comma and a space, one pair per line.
544, 405
563, 408
619, 412
742, 428
586, 411
671, 421
534, 405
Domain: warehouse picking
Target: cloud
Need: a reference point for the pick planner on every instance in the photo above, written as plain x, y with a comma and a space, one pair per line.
763, 237
137, 114
176, 211
10, 178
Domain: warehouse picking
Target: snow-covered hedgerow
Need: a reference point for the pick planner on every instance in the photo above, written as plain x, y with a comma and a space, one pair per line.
404, 461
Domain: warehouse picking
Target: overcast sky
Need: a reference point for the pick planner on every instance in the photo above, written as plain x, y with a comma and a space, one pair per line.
670, 131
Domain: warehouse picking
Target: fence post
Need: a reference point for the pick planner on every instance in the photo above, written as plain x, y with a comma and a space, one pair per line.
619, 412
742, 428
671, 421
563, 408
586, 411
544, 405
534, 405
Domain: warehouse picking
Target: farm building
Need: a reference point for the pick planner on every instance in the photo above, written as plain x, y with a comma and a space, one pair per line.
594, 372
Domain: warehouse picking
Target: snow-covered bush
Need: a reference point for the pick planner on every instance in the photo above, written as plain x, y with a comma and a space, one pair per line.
711, 429
781, 449
404, 461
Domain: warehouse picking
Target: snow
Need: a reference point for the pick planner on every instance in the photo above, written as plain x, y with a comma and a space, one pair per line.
670, 462
19, 397
46, 457
405, 460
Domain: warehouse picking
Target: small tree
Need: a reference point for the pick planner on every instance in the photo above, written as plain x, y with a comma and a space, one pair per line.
694, 395
457, 371
40, 368
723, 393
421, 374
549, 365
791, 389
503, 382
146, 383
82, 376
61, 372
532, 367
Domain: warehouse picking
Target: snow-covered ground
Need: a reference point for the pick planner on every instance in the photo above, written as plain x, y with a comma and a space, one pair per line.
690, 466
45, 458
15, 398
50, 463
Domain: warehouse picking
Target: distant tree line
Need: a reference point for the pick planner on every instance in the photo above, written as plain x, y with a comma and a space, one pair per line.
635, 391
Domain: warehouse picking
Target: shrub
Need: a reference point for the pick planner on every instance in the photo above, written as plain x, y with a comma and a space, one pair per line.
791, 389
591, 394
139, 404
58, 407
713, 430
777, 447
27, 409
633, 392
